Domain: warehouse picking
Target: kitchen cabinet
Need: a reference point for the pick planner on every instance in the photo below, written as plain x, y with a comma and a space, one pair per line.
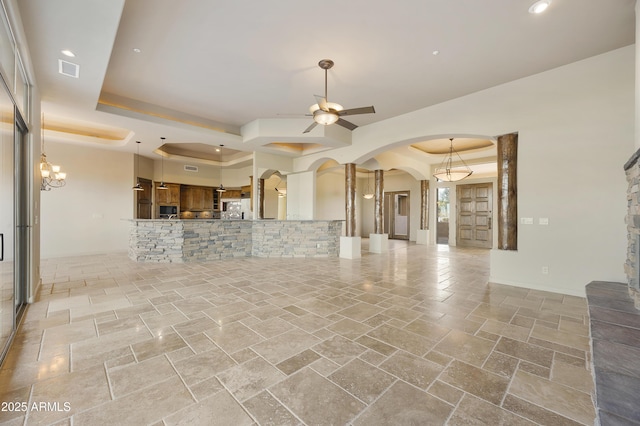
196, 198
231, 193
169, 196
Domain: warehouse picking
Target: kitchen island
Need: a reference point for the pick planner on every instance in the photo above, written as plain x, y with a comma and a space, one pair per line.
178, 240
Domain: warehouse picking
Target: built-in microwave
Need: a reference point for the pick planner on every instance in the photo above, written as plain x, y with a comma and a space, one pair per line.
168, 210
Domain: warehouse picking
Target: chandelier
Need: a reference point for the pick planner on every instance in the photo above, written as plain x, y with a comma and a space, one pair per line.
446, 171
51, 175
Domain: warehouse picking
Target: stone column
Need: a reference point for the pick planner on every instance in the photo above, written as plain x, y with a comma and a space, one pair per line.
350, 199
260, 198
350, 245
423, 232
379, 241
379, 202
507, 192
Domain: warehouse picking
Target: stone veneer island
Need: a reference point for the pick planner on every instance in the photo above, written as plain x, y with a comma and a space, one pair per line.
177, 240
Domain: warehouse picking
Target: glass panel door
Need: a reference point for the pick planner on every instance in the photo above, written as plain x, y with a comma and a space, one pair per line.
401, 216
442, 233
22, 215
7, 221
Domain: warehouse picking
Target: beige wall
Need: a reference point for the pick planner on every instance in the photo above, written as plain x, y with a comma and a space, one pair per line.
87, 215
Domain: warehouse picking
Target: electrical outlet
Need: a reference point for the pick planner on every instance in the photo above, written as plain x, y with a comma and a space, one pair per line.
545, 270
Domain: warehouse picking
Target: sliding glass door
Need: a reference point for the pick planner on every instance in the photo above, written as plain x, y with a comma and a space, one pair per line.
7, 219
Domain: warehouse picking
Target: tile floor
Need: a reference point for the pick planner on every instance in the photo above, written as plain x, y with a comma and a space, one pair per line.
413, 336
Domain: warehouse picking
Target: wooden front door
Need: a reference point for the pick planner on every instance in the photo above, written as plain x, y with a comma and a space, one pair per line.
143, 200
474, 215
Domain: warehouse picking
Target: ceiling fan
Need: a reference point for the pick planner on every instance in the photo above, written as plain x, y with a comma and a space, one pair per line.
326, 113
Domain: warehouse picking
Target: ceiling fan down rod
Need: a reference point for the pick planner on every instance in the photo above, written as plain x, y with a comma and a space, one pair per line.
325, 64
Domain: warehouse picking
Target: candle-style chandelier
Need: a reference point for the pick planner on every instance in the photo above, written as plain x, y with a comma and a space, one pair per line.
51, 175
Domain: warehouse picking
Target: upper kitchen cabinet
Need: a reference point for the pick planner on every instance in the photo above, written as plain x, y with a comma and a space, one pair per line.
196, 198
231, 193
169, 196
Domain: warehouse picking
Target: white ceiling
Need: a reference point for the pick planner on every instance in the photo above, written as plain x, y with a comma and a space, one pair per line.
206, 68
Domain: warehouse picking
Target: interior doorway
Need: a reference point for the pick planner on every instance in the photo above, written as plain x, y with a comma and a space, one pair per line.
474, 218
396, 215
143, 200
443, 210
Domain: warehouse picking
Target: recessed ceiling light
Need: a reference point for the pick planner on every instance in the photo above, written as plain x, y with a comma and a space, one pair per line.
539, 6
68, 53
435, 52
136, 50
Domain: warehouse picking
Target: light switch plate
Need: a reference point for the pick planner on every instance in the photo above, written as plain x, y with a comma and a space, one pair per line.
543, 221
526, 220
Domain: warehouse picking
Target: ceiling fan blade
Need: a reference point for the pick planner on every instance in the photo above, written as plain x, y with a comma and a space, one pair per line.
310, 128
346, 124
322, 102
354, 111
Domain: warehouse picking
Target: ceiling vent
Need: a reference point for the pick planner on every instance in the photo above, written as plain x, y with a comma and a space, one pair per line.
188, 168
69, 69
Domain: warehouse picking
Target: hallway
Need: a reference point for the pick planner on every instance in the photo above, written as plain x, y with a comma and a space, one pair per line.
412, 336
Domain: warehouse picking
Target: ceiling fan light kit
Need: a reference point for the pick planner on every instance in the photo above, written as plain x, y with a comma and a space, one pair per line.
327, 113
539, 6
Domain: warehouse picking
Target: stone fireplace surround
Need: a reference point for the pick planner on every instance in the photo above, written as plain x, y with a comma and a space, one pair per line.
615, 324
632, 265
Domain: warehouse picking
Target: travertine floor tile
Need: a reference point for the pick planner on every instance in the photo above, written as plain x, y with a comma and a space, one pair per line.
413, 336
248, 379
362, 380
307, 389
476, 381
144, 406
569, 402
403, 404
484, 413
132, 377
470, 349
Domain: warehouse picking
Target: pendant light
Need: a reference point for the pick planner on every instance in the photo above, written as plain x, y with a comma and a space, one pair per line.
162, 185
446, 171
137, 186
221, 188
368, 194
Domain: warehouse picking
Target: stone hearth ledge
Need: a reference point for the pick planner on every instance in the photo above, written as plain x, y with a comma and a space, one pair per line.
177, 240
615, 345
